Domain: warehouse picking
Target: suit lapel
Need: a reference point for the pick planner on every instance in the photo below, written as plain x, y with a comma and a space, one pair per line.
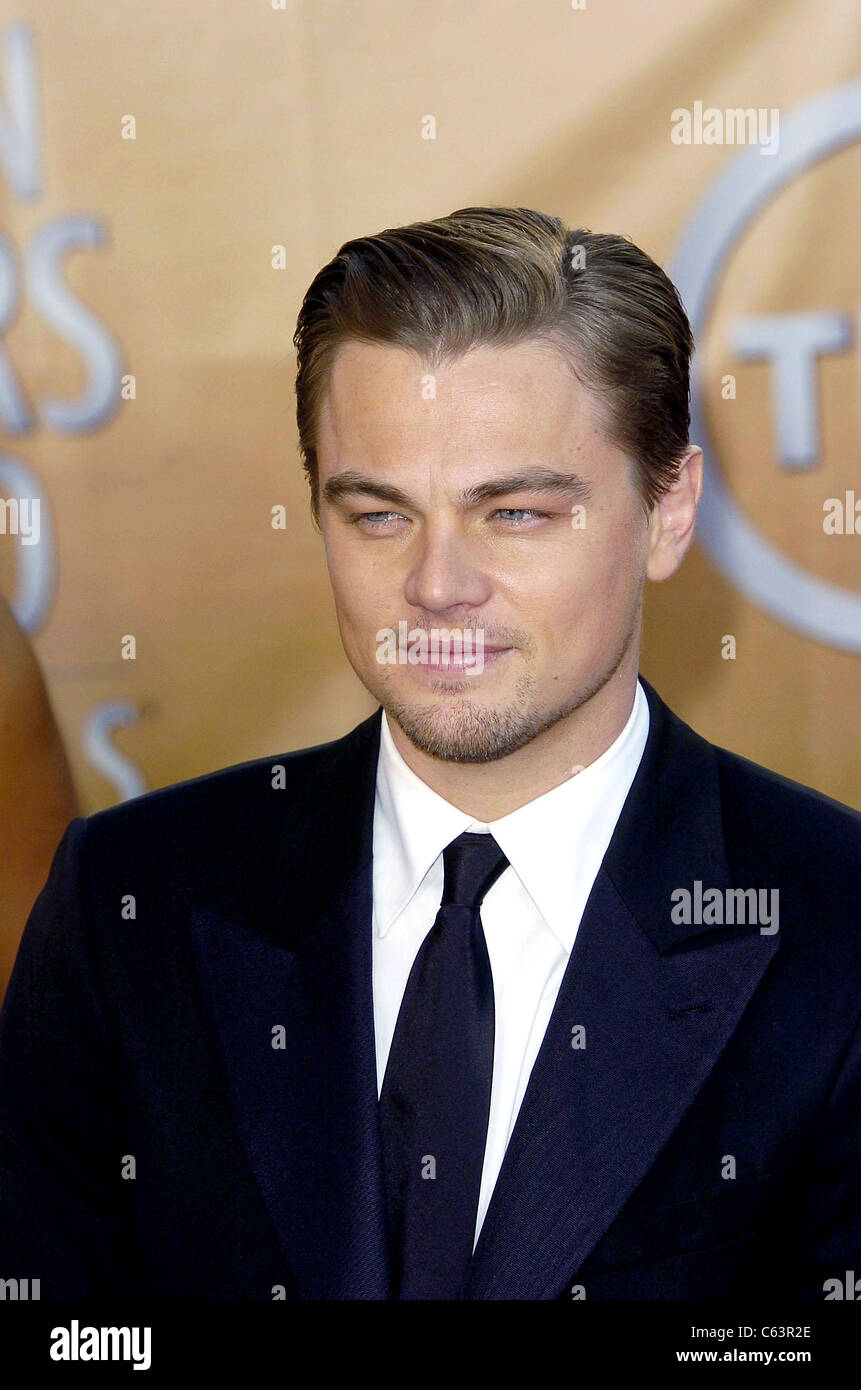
658, 1002
286, 977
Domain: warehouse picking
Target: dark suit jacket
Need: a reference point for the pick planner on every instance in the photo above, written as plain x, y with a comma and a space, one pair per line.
188, 1099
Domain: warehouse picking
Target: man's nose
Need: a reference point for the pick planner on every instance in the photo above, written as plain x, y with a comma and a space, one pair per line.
446, 573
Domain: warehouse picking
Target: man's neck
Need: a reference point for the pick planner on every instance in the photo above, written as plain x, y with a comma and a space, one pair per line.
488, 791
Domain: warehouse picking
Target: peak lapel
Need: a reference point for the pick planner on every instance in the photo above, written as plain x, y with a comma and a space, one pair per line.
658, 1003
288, 985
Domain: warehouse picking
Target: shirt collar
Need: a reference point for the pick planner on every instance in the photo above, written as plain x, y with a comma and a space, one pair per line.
554, 843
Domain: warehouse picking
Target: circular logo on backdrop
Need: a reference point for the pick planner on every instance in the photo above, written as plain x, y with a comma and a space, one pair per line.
803, 601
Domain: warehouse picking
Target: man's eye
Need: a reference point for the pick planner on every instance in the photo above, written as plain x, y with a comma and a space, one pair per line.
516, 514
377, 519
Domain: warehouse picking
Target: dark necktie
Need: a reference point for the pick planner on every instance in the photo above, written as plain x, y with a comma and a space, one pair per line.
435, 1098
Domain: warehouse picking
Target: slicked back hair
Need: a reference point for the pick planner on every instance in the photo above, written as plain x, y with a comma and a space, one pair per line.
498, 277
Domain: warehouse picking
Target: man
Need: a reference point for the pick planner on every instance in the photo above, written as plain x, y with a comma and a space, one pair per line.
522, 990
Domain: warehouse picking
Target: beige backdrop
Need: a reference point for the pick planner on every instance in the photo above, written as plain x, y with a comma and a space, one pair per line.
258, 126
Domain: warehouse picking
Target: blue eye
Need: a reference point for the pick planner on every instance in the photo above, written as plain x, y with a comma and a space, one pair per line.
376, 518
512, 513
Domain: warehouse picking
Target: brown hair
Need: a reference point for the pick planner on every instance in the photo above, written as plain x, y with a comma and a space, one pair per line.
500, 276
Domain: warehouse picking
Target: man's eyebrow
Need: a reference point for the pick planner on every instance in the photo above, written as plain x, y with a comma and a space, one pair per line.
535, 480
540, 480
356, 484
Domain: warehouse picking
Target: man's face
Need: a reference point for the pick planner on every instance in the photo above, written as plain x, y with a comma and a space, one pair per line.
486, 500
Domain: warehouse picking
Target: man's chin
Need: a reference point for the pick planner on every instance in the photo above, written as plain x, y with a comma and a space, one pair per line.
463, 731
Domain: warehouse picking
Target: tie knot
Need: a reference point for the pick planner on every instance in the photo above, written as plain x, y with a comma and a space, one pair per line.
472, 863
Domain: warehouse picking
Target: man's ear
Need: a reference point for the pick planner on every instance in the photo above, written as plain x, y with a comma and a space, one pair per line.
671, 525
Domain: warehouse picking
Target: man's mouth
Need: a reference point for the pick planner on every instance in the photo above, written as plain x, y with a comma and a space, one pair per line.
439, 651
461, 664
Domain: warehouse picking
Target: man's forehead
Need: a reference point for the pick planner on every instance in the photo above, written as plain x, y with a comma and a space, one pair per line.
484, 366
380, 388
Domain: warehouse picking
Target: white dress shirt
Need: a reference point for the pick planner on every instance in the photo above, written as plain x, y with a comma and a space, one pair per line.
554, 845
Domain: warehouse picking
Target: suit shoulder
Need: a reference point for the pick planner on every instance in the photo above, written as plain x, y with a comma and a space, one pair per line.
767, 806
226, 793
